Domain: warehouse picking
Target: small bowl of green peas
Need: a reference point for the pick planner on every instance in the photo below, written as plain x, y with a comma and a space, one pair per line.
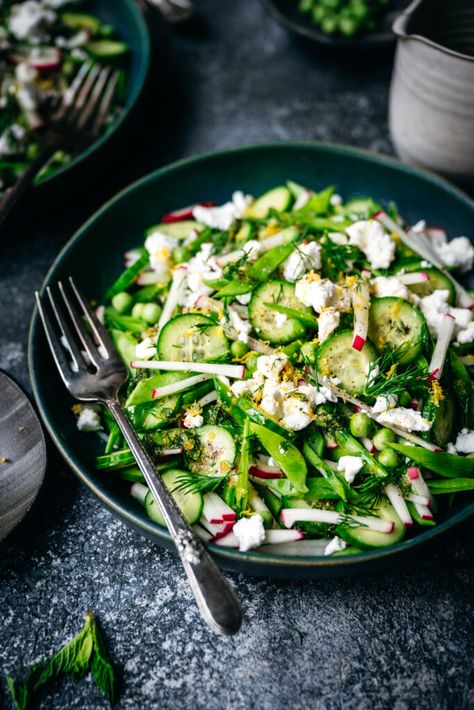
364, 24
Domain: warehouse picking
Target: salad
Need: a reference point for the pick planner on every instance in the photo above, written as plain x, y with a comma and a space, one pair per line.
43, 43
300, 371
345, 17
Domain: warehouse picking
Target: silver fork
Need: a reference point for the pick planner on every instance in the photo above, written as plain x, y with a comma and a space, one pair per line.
92, 371
77, 121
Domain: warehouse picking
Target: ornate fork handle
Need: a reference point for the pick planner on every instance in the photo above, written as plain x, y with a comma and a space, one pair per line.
216, 600
23, 184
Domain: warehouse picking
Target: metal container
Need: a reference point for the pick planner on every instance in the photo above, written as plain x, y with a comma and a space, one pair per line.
431, 111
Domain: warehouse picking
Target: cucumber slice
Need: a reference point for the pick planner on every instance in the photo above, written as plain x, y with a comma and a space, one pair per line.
80, 21
179, 230
437, 281
337, 358
265, 320
189, 503
367, 539
106, 49
395, 323
215, 454
146, 413
192, 338
278, 199
363, 207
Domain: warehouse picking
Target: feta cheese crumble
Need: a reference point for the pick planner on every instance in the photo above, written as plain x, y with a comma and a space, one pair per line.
384, 403
270, 366
464, 442
241, 326
250, 532
146, 349
193, 418
335, 545
407, 419
30, 21
378, 247
328, 321
389, 286
223, 217
350, 466
436, 305
304, 258
160, 248
201, 268
457, 253
89, 420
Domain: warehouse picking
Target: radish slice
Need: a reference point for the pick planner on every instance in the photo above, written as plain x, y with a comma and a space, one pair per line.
217, 530
360, 303
139, 492
175, 292
417, 482
289, 516
100, 313
216, 511
45, 58
146, 278
423, 511
208, 304
207, 399
396, 499
368, 444
442, 344
171, 452
276, 537
420, 500
229, 540
236, 372
419, 243
257, 473
185, 212
179, 386
415, 277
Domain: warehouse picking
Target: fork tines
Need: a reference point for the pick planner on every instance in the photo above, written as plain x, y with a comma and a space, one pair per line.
79, 342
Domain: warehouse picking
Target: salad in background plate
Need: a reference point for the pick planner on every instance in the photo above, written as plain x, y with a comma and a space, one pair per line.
300, 371
43, 43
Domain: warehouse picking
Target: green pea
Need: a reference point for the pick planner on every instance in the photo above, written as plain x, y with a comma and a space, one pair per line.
32, 151
180, 254
382, 438
151, 313
239, 349
122, 302
360, 425
251, 365
329, 25
347, 26
137, 310
389, 458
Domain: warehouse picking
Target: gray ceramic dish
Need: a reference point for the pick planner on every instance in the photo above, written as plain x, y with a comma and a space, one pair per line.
22, 445
94, 258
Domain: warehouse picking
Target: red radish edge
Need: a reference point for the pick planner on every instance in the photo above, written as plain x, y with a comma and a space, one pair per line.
413, 473
186, 213
260, 473
358, 343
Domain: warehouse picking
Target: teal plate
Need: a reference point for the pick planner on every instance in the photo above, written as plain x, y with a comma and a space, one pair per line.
94, 258
126, 17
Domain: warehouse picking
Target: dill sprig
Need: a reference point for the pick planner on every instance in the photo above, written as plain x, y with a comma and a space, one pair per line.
232, 270
387, 377
338, 258
189, 482
371, 490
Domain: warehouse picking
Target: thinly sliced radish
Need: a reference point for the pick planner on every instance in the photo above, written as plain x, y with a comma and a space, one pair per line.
445, 334
201, 533
215, 510
415, 277
423, 511
413, 472
396, 499
139, 492
368, 444
257, 473
176, 289
217, 530
330, 441
289, 516
185, 212
420, 500
100, 313
259, 506
171, 452
207, 399
146, 278
45, 58
419, 243
208, 304
229, 540
418, 483
277, 537
360, 304
131, 256
236, 372
179, 386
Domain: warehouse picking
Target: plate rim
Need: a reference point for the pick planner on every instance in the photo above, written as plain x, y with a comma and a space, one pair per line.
44, 451
250, 560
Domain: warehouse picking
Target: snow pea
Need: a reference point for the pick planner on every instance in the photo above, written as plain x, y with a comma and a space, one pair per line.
349, 446
126, 279
463, 389
452, 485
293, 313
442, 463
234, 288
128, 324
268, 262
228, 401
310, 452
285, 454
114, 460
242, 478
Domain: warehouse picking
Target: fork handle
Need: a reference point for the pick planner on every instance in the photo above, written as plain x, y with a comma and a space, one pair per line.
24, 182
216, 600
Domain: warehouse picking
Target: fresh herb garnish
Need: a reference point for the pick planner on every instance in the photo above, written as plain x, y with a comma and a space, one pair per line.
386, 377
85, 653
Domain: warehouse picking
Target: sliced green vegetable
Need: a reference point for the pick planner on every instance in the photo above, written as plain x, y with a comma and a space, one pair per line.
285, 454
442, 463
126, 279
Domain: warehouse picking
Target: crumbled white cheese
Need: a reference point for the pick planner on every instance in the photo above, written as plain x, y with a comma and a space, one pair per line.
280, 319
243, 327
252, 248
27, 90
296, 414
407, 419
146, 349
338, 238
193, 418
350, 466
335, 200
89, 420
465, 442
201, 268
378, 247
436, 304
253, 385
222, 217
77, 40
389, 286
270, 366
335, 545
30, 20
314, 291
467, 335
457, 254
250, 532
304, 258
272, 399
244, 299
160, 248
328, 321
384, 403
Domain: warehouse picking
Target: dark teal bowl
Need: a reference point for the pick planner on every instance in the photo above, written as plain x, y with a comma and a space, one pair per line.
94, 258
126, 17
